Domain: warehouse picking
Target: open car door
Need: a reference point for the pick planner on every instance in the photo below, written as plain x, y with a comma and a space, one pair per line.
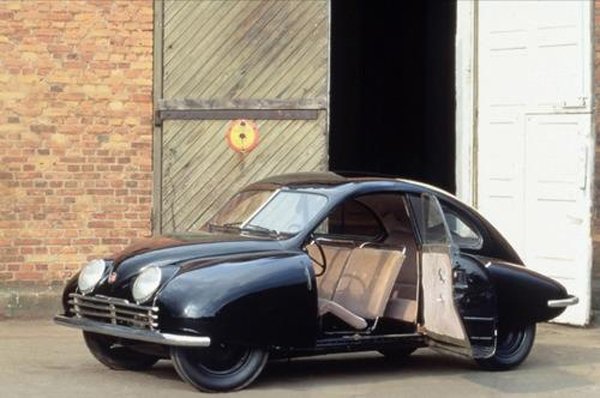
440, 318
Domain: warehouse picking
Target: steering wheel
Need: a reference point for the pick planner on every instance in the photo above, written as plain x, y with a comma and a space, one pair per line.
322, 265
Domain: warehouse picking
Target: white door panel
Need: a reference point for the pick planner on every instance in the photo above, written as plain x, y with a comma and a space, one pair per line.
557, 203
500, 162
534, 136
560, 49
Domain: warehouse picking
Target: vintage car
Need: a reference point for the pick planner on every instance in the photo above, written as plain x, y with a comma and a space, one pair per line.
314, 263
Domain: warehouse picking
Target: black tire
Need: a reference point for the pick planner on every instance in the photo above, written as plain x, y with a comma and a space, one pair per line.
116, 356
397, 354
219, 368
513, 346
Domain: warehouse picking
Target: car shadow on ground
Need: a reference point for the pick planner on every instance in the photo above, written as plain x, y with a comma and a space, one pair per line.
360, 368
548, 364
346, 369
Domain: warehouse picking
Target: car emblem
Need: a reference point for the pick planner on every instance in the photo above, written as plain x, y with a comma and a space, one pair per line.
112, 278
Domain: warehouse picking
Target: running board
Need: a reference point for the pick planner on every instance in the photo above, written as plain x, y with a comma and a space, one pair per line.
368, 343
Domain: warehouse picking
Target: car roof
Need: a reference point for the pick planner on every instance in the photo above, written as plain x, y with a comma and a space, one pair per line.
332, 179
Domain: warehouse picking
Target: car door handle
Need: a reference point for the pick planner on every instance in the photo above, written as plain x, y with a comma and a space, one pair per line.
441, 275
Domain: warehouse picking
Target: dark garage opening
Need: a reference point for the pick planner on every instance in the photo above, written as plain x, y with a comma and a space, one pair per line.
392, 89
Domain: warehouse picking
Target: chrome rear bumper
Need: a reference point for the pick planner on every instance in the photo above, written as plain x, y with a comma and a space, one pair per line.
132, 333
571, 300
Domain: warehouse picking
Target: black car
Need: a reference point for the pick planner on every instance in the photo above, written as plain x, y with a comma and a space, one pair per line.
314, 263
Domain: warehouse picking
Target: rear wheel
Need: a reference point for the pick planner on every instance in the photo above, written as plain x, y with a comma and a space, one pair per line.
513, 346
110, 353
221, 367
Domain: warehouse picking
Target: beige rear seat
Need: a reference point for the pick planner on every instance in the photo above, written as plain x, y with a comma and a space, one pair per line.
403, 300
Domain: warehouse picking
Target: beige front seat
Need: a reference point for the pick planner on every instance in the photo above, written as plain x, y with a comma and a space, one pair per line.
364, 286
336, 258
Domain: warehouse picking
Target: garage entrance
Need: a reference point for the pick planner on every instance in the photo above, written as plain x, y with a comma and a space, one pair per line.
392, 97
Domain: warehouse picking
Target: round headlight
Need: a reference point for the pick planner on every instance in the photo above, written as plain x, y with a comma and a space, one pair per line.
146, 284
90, 275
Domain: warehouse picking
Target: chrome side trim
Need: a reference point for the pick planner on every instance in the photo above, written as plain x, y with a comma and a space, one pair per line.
130, 333
571, 300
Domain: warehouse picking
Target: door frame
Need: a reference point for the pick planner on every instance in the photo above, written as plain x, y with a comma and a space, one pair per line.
157, 94
466, 101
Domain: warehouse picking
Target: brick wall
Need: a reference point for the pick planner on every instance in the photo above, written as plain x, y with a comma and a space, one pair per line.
75, 133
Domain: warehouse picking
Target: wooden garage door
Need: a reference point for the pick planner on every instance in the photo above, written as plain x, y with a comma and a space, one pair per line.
264, 61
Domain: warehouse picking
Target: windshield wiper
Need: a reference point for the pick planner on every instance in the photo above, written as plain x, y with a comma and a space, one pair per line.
237, 226
230, 226
261, 229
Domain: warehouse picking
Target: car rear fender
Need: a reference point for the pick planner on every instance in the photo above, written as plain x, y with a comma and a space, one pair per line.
523, 295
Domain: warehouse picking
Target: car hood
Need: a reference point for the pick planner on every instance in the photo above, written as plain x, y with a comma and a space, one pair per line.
173, 249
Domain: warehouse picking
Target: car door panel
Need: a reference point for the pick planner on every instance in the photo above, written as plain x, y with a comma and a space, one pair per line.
441, 320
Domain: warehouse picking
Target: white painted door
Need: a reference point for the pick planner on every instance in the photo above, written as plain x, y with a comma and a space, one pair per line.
535, 136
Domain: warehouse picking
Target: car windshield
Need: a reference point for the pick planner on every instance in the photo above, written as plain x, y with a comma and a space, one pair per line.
274, 213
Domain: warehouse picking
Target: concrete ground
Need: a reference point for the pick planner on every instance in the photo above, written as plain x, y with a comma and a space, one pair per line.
39, 359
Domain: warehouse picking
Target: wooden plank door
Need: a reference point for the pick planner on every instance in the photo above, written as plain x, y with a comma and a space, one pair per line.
217, 61
535, 136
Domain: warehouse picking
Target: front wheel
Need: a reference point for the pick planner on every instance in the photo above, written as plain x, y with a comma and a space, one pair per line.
110, 353
221, 367
513, 346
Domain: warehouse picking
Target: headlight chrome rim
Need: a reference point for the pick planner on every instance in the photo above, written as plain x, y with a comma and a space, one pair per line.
90, 275
146, 284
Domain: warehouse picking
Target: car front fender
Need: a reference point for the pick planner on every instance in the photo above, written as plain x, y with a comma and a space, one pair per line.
266, 299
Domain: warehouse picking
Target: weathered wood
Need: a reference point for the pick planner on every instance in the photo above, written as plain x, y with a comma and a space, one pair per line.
243, 103
246, 49
231, 114
200, 171
157, 132
263, 60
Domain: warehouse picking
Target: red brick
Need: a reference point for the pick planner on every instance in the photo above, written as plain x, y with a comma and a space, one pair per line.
59, 167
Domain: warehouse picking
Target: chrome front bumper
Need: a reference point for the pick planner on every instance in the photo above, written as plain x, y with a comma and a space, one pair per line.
132, 333
571, 300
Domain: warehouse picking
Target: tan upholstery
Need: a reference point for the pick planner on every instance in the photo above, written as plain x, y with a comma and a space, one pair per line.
336, 261
366, 282
328, 306
403, 300
401, 309
384, 279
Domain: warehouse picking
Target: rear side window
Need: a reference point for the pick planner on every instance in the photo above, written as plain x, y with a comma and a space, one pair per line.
352, 221
463, 233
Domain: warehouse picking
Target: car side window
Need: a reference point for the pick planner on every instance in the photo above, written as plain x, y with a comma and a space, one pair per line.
463, 234
351, 221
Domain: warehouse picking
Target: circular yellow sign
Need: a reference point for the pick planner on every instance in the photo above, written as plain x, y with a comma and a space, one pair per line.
242, 135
